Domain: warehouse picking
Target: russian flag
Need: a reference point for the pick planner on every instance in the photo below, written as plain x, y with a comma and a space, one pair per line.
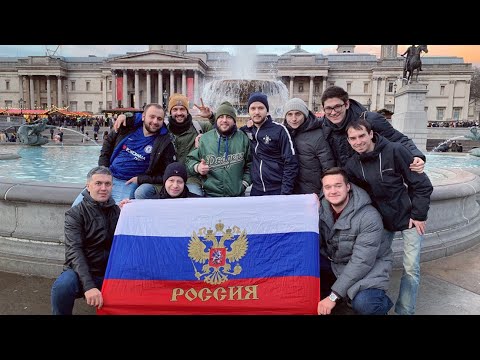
243, 255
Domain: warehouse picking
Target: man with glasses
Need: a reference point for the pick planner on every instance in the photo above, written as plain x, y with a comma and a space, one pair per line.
341, 111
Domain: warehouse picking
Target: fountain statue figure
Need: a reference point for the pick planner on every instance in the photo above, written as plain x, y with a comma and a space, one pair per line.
32, 134
474, 135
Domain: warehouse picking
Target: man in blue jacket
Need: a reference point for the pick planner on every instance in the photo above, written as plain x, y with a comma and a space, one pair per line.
274, 162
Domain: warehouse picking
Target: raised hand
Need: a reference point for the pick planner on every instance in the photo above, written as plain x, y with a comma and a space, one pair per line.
205, 111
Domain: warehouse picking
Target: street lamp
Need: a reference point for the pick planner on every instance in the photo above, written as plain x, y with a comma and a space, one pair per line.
394, 92
165, 97
20, 103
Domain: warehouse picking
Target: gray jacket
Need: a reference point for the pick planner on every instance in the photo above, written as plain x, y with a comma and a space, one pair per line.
355, 243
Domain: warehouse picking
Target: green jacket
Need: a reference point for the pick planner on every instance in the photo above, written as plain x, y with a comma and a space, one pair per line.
229, 161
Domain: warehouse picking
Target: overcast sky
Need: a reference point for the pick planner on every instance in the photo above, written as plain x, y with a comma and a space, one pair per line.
470, 53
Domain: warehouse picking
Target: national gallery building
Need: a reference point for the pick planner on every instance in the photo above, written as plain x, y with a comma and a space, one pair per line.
94, 84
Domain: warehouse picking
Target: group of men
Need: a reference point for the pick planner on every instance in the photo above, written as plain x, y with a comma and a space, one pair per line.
369, 178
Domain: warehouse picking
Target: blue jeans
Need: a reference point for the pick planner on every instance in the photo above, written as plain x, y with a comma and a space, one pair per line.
120, 191
410, 281
66, 289
149, 191
371, 302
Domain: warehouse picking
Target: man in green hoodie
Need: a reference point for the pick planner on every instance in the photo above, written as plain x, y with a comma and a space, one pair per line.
222, 161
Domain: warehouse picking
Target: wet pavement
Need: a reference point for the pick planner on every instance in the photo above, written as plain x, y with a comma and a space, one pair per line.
449, 286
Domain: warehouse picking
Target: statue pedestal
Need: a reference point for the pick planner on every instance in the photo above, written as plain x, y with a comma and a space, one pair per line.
410, 117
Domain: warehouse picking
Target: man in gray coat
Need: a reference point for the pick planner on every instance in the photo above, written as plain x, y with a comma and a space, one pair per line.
353, 247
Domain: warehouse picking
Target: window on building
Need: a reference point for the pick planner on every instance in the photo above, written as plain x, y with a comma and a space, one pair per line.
390, 87
456, 113
44, 106
349, 87
110, 85
365, 88
88, 106
72, 88
442, 89
317, 89
73, 106
300, 87
87, 85
100, 106
440, 113
425, 109
109, 105
8, 104
7, 84
101, 85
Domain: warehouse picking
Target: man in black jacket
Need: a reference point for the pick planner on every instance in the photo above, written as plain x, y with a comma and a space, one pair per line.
89, 229
274, 161
340, 111
382, 168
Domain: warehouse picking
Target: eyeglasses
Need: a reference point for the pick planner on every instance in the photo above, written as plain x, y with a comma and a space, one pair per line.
337, 108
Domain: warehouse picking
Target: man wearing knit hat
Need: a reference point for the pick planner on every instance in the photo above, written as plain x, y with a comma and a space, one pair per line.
222, 160
184, 132
274, 161
314, 153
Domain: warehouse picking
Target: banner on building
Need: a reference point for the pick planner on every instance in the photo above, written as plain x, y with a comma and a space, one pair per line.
120, 91
190, 91
243, 255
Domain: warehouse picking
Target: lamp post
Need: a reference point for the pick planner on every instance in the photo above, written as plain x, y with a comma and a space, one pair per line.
165, 97
20, 103
394, 92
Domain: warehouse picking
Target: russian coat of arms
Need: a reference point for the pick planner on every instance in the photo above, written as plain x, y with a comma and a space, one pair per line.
227, 247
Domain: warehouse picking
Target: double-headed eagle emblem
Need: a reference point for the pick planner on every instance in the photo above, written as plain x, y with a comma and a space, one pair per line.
218, 257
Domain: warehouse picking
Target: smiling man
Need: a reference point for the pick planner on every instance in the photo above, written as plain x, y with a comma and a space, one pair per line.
340, 110
381, 167
89, 229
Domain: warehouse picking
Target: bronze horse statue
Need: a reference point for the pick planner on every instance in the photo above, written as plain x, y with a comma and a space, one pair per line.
414, 63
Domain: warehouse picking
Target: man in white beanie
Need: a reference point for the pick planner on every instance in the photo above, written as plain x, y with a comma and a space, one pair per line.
314, 153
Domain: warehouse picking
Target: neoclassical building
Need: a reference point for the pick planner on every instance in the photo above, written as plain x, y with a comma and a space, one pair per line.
133, 79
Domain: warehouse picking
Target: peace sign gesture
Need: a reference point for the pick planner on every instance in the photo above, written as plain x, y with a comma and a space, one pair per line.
205, 111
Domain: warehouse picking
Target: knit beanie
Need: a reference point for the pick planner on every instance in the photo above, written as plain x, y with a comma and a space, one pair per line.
226, 108
258, 96
295, 104
177, 100
175, 169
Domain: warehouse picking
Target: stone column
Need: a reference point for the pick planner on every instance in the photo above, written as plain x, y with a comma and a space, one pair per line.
196, 95
465, 103
310, 93
172, 82
160, 87
410, 117
291, 86
49, 95
32, 93
104, 92
184, 82
137, 90
149, 87
451, 95
114, 90
20, 87
381, 103
373, 105
324, 84
125, 89
59, 91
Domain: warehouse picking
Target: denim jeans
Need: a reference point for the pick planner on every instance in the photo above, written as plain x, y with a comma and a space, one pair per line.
66, 289
148, 191
120, 191
371, 302
410, 281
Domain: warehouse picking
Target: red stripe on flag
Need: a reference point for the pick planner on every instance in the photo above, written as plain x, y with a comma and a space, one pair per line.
283, 295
